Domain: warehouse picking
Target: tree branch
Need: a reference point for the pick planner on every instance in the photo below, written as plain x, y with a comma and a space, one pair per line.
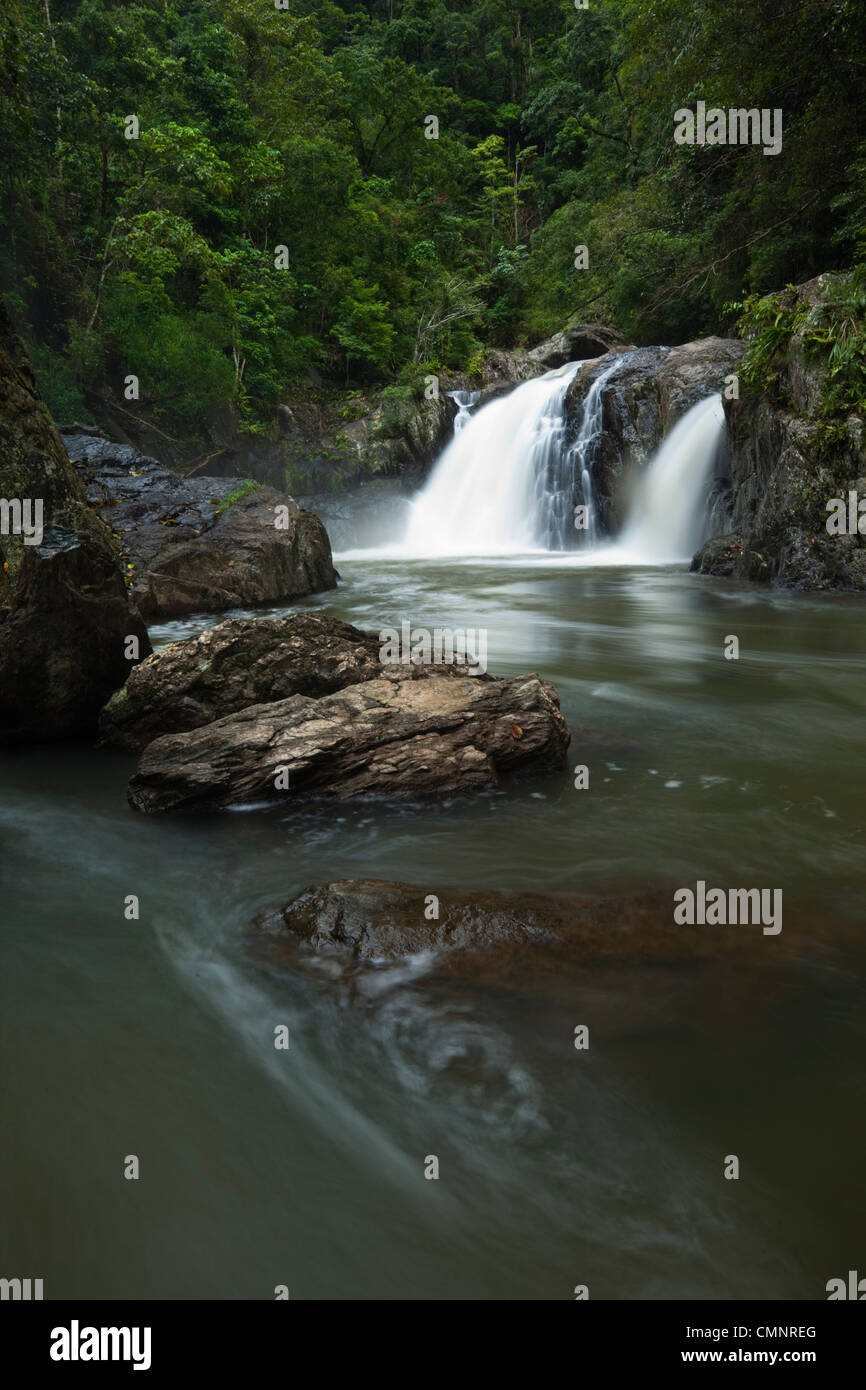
707, 270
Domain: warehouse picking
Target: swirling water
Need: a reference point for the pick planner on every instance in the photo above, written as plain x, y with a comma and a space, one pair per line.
306, 1167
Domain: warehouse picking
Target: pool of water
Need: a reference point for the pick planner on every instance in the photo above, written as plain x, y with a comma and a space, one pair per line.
306, 1167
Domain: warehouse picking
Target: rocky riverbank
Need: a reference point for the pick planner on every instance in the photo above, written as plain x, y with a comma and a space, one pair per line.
789, 457
66, 618
200, 544
357, 458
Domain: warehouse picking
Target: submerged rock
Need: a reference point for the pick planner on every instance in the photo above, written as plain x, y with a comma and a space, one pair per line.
201, 544
400, 737
237, 663
65, 614
366, 921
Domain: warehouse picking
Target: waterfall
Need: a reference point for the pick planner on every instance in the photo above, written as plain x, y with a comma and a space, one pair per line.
583, 450
464, 400
508, 482
668, 517
504, 484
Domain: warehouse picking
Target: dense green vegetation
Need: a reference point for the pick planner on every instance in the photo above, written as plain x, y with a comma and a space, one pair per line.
306, 129
831, 332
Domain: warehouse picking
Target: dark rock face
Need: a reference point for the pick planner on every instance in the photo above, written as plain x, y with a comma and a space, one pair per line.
368, 921
631, 425
240, 662
402, 438
721, 556
783, 475
780, 489
406, 736
65, 612
191, 551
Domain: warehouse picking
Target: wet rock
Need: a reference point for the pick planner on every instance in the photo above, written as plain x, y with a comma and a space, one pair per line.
786, 465
65, 614
720, 556
405, 736
782, 479
631, 426
693, 371
240, 662
370, 921
201, 544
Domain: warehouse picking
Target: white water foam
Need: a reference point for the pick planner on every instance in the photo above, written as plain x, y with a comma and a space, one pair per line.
504, 487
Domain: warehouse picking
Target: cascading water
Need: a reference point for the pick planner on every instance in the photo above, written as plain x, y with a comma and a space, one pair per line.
464, 400
583, 450
668, 518
508, 482
499, 488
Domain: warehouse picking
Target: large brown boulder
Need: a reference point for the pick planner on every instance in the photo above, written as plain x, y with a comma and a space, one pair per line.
65, 613
237, 663
398, 737
202, 545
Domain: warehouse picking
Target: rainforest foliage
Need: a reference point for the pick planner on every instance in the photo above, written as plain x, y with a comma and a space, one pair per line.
284, 209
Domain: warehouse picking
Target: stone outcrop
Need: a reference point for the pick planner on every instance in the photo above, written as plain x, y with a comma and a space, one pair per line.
237, 663
201, 544
65, 613
781, 482
407, 735
401, 438
576, 344
784, 470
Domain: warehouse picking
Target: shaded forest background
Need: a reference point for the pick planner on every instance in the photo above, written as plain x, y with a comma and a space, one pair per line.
305, 128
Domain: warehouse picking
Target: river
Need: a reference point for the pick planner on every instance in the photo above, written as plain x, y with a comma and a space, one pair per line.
305, 1167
